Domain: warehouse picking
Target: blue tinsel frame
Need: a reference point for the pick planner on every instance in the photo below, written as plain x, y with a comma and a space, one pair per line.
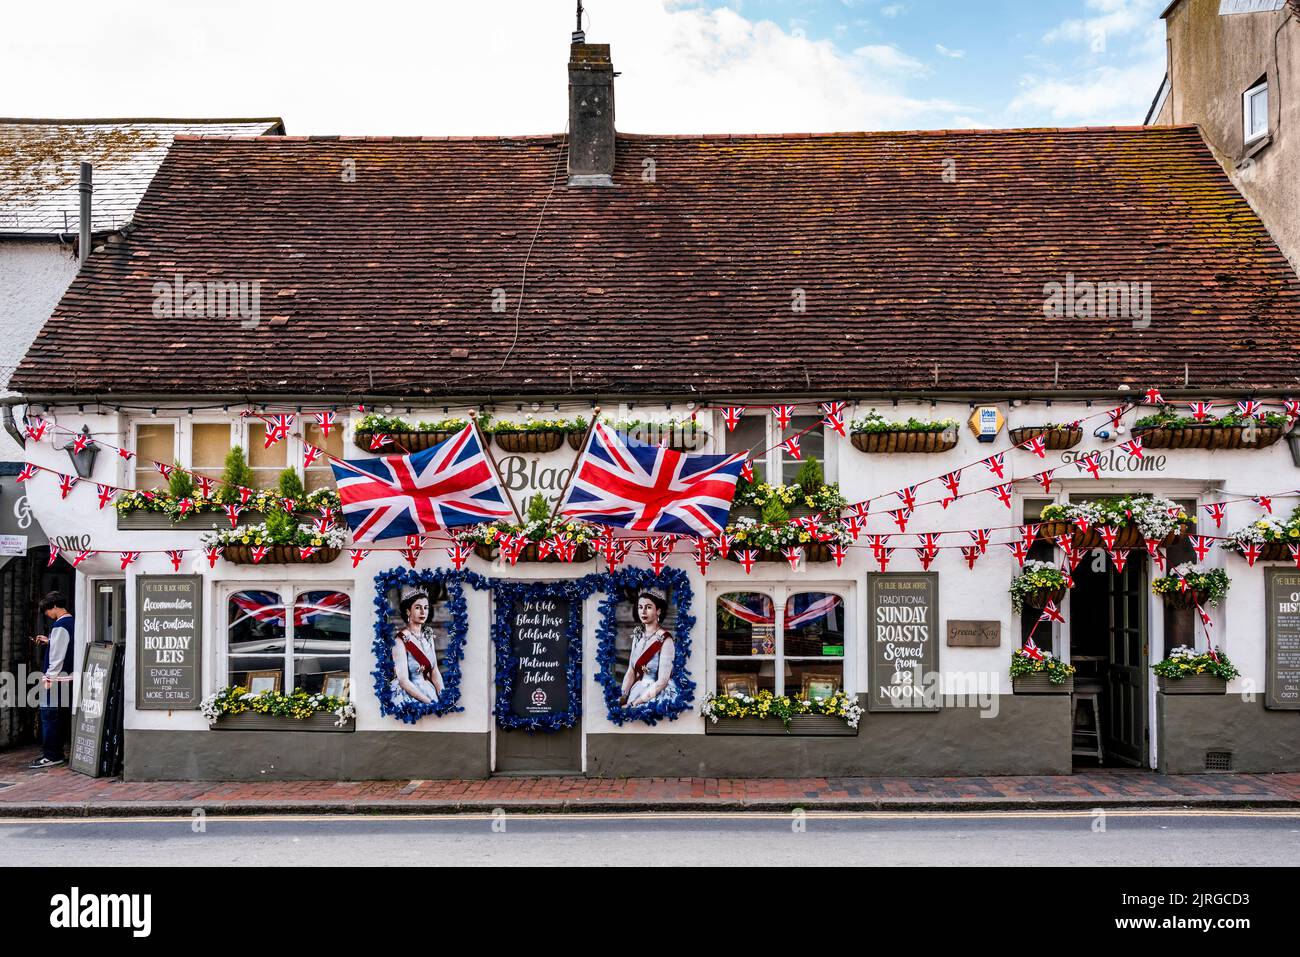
615, 584
505, 594
448, 701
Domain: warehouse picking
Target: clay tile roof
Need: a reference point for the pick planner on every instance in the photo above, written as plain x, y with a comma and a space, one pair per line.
40, 167
684, 280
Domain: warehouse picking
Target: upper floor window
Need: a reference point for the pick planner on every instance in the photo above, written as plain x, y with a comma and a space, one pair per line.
759, 433
1254, 111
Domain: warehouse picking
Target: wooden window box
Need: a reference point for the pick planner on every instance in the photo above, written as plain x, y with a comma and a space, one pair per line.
801, 725
250, 721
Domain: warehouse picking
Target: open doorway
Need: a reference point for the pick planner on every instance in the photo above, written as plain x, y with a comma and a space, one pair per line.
1108, 647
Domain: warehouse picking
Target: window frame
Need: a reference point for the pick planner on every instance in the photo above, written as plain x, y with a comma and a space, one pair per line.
773, 461
241, 433
1249, 135
779, 593
289, 593
136, 465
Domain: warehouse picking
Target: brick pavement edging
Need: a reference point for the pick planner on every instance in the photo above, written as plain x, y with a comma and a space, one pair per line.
63, 793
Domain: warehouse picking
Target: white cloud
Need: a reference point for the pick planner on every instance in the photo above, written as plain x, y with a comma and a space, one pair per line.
893, 10
953, 54
491, 67
1103, 96
890, 59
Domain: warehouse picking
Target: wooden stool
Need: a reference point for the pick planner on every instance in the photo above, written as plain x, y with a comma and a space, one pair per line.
1086, 743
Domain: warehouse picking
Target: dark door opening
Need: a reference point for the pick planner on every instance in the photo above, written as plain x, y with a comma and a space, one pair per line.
1108, 646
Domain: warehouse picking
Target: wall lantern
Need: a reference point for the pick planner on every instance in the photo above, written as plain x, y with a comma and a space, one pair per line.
83, 461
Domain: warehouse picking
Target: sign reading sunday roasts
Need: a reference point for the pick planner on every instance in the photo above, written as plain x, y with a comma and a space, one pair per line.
168, 641
1282, 661
539, 648
903, 618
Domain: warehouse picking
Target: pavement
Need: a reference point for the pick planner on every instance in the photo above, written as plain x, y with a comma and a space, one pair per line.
61, 792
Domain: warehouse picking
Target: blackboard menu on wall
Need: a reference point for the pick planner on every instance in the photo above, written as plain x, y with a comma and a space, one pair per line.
168, 641
539, 647
903, 641
88, 727
1282, 664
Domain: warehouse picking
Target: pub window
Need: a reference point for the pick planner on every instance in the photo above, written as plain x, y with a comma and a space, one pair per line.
269, 650
1040, 551
1181, 624
209, 446
321, 475
153, 441
758, 434
751, 436
801, 655
267, 464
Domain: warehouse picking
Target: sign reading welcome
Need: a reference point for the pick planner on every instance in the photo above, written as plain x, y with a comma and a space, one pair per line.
168, 641
903, 622
539, 648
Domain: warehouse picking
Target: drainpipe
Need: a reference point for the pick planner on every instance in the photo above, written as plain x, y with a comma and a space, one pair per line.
85, 188
12, 427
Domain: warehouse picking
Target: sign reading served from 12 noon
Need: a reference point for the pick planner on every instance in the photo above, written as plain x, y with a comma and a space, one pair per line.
903, 620
168, 641
539, 648
1282, 661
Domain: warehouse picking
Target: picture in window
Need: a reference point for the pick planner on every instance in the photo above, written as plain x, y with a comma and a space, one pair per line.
644, 647
419, 617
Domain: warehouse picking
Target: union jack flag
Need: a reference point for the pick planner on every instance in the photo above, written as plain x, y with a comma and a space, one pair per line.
1250, 408
627, 484
994, 464
35, 429
1051, 613
393, 496
1092, 463
834, 416
791, 447
806, 607
1154, 397
731, 416
1003, 492
1201, 410
1133, 448
784, 414
1031, 650
326, 421
277, 428
28, 472
106, 493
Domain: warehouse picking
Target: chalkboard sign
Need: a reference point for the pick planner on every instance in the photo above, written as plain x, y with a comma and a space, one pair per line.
1282, 663
539, 650
903, 626
88, 728
168, 641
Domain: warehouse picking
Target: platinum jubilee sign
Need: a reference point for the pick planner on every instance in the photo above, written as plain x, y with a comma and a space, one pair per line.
168, 642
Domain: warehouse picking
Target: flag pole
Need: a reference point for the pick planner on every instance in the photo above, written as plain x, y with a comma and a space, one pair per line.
487, 451
582, 448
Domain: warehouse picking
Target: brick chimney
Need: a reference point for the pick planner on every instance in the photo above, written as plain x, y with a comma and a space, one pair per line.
591, 114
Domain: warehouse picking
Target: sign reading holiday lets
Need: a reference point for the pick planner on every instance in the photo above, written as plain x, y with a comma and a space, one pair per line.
168, 641
1282, 661
904, 617
539, 648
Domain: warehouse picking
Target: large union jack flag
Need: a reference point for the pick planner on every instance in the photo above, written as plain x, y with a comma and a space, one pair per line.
266, 607
623, 483
398, 495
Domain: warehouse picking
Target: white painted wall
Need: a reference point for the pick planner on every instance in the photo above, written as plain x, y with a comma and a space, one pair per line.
963, 593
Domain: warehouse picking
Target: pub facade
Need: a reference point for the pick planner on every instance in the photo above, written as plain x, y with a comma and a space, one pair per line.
996, 518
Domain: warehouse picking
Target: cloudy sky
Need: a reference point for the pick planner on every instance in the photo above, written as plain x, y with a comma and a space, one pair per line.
498, 66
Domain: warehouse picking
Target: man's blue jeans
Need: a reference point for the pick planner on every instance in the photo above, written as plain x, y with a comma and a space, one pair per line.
55, 724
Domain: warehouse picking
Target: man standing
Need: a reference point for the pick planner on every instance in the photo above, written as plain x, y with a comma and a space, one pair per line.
56, 683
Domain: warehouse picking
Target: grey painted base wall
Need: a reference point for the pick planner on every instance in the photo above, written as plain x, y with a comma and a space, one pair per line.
1259, 739
1029, 735
303, 755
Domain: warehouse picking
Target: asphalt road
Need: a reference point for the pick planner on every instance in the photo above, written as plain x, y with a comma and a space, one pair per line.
1133, 838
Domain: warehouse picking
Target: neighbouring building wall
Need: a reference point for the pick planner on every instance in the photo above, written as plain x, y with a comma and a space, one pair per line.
33, 278
1213, 60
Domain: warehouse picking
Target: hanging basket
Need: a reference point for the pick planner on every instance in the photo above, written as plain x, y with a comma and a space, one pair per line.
1126, 536
1040, 597
1055, 439
1206, 436
903, 440
529, 554
401, 442
529, 442
1269, 551
1183, 599
279, 555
